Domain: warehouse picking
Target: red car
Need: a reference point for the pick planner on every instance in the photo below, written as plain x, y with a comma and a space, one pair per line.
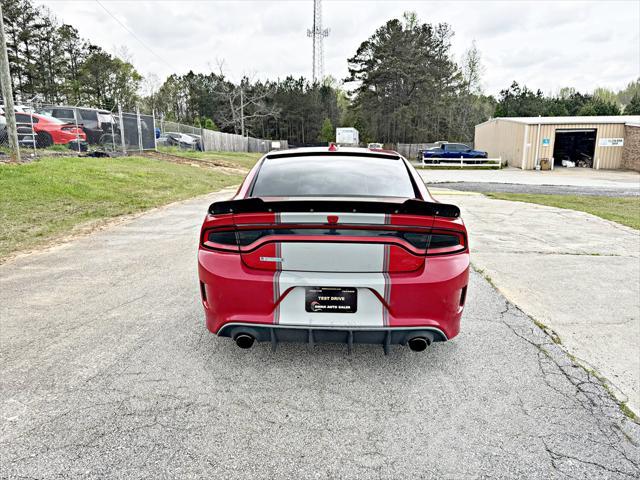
50, 131
333, 245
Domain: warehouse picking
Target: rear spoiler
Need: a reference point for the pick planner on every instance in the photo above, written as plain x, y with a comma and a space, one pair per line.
408, 207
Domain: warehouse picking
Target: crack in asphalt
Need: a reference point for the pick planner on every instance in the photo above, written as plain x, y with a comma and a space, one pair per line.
585, 396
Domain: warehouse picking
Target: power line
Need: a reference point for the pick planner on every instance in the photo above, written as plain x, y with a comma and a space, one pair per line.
135, 36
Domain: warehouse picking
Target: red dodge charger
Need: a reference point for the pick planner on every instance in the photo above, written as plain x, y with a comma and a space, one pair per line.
333, 245
52, 131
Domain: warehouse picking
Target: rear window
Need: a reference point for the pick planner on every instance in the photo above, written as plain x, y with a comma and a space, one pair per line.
25, 118
90, 115
457, 147
63, 113
53, 120
333, 176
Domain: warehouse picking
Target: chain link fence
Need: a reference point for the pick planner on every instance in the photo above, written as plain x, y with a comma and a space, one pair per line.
45, 130
196, 138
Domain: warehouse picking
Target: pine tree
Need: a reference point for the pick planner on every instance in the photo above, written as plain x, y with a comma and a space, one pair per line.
407, 81
327, 132
633, 108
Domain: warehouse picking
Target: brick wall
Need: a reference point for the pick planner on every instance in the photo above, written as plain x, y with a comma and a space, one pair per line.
631, 148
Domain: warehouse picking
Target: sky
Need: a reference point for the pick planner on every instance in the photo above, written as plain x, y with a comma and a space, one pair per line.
544, 44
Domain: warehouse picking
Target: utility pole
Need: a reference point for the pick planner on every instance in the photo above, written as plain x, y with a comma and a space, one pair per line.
242, 109
7, 94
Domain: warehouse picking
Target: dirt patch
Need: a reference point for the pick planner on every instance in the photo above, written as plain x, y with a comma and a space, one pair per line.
227, 167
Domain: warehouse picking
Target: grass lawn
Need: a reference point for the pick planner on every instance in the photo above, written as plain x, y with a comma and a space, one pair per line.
46, 199
624, 210
240, 159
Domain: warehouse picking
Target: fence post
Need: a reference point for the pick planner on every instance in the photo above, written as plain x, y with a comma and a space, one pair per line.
75, 118
32, 130
113, 135
140, 146
155, 140
124, 146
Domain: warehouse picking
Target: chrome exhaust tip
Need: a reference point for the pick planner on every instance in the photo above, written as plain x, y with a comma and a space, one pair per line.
244, 340
419, 344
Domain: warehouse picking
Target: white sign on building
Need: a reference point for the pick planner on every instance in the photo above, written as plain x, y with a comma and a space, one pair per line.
612, 142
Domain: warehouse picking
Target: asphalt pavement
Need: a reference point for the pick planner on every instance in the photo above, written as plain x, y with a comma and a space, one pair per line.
107, 371
483, 187
583, 178
561, 268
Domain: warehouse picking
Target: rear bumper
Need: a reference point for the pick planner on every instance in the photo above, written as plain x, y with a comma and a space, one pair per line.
430, 299
317, 334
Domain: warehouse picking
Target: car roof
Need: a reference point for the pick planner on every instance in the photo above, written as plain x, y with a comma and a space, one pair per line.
99, 110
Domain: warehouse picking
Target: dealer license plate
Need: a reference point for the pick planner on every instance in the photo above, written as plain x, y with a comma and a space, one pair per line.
331, 299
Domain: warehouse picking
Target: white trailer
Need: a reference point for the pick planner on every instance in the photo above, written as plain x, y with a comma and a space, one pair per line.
347, 136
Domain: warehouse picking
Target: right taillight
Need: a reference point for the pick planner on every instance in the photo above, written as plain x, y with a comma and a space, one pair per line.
444, 243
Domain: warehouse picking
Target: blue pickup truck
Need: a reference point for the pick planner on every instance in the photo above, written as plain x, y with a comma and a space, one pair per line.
443, 150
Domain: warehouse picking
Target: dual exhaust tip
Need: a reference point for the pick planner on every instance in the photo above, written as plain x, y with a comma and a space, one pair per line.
416, 344
419, 344
244, 340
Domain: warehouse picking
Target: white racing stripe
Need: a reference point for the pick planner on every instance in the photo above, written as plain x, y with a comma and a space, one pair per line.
325, 264
369, 310
343, 217
332, 257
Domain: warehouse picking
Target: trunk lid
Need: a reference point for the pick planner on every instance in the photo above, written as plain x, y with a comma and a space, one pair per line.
336, 235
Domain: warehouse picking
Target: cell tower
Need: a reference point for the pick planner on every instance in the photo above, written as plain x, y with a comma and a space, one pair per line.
317, 33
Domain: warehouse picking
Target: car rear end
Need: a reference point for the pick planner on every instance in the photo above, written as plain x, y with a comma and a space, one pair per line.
334, 246
64, 134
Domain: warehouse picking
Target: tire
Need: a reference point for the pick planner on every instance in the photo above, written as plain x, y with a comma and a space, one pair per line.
44, 140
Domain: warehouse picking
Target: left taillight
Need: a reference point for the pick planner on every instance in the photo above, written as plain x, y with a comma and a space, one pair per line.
225, 240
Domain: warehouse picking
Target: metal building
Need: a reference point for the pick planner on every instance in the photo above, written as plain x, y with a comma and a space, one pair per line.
522, 142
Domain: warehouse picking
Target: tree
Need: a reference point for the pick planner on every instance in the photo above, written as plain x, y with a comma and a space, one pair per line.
633, 108
246, 103
327, 132
597, 106
626, 94
472, 70
519, 101
210, 125
470, 106
606, 95
50, 63
107, 81
407, 82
